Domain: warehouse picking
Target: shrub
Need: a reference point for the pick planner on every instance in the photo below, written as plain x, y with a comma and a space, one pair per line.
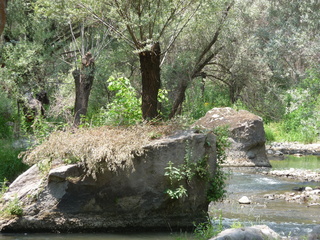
124, 108
10, 165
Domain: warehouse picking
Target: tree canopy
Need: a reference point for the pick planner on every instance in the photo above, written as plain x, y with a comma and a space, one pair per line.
248, 54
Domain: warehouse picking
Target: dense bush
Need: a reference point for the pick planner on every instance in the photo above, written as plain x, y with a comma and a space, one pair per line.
301, 120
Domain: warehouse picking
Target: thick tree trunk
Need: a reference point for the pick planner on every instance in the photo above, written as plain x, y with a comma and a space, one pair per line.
150, 71
2, 15
83, 81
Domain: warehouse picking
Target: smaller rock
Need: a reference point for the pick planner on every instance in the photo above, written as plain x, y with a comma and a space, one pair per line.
298, 154
315, 192
308, 189
61, 173
278, 153
296, 197
244, 200
270, 152
271, 197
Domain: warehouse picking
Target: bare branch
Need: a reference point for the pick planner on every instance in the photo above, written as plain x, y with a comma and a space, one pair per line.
214, 38
220, 79
109, 25
205, 62
174, 37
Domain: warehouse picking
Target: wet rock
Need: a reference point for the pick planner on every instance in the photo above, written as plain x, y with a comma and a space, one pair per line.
298, 174
259, 232
247, 136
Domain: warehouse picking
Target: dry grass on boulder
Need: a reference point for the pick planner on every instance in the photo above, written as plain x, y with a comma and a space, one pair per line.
112, 147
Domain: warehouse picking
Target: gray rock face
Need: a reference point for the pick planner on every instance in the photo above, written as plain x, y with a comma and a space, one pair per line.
259, 232
247, 136
67, 200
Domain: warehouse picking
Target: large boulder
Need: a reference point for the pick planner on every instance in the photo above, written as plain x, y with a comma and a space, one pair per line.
247, 136
67, 199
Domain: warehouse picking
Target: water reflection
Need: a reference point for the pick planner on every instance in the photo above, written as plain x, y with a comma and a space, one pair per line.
303, 162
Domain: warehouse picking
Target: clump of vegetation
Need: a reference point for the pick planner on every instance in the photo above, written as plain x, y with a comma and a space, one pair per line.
14, 207
217, 185
190, 169
125, 107
112, 147
208, 229
185, 173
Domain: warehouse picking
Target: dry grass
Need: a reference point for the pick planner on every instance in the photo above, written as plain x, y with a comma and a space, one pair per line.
112, 147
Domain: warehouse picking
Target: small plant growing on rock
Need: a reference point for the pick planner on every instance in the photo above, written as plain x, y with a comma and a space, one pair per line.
14, 207
216, 189
185, 173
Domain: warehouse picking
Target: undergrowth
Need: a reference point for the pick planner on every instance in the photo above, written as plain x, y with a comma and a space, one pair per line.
277, 132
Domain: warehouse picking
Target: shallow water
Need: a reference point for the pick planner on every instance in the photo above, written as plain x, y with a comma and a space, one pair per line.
292, 219
303, 162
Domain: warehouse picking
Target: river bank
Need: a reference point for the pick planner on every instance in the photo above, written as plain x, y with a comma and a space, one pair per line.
292, 148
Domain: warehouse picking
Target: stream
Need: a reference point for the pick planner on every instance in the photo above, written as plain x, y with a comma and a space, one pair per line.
287, 219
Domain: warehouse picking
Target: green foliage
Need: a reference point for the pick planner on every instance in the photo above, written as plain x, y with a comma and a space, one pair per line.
175, 176
206, 230
6, 117
178, 176
124, 108
3, 187
217, 185
10, 165
237, 225
24, 69
203, 96
300, 122
270, 135
184, 173
13, 208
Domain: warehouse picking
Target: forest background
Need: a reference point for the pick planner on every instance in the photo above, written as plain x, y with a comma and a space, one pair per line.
83, 63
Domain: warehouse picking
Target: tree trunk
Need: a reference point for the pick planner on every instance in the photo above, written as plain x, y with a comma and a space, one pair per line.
177, 105
2, 15
150, 71
83, 81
